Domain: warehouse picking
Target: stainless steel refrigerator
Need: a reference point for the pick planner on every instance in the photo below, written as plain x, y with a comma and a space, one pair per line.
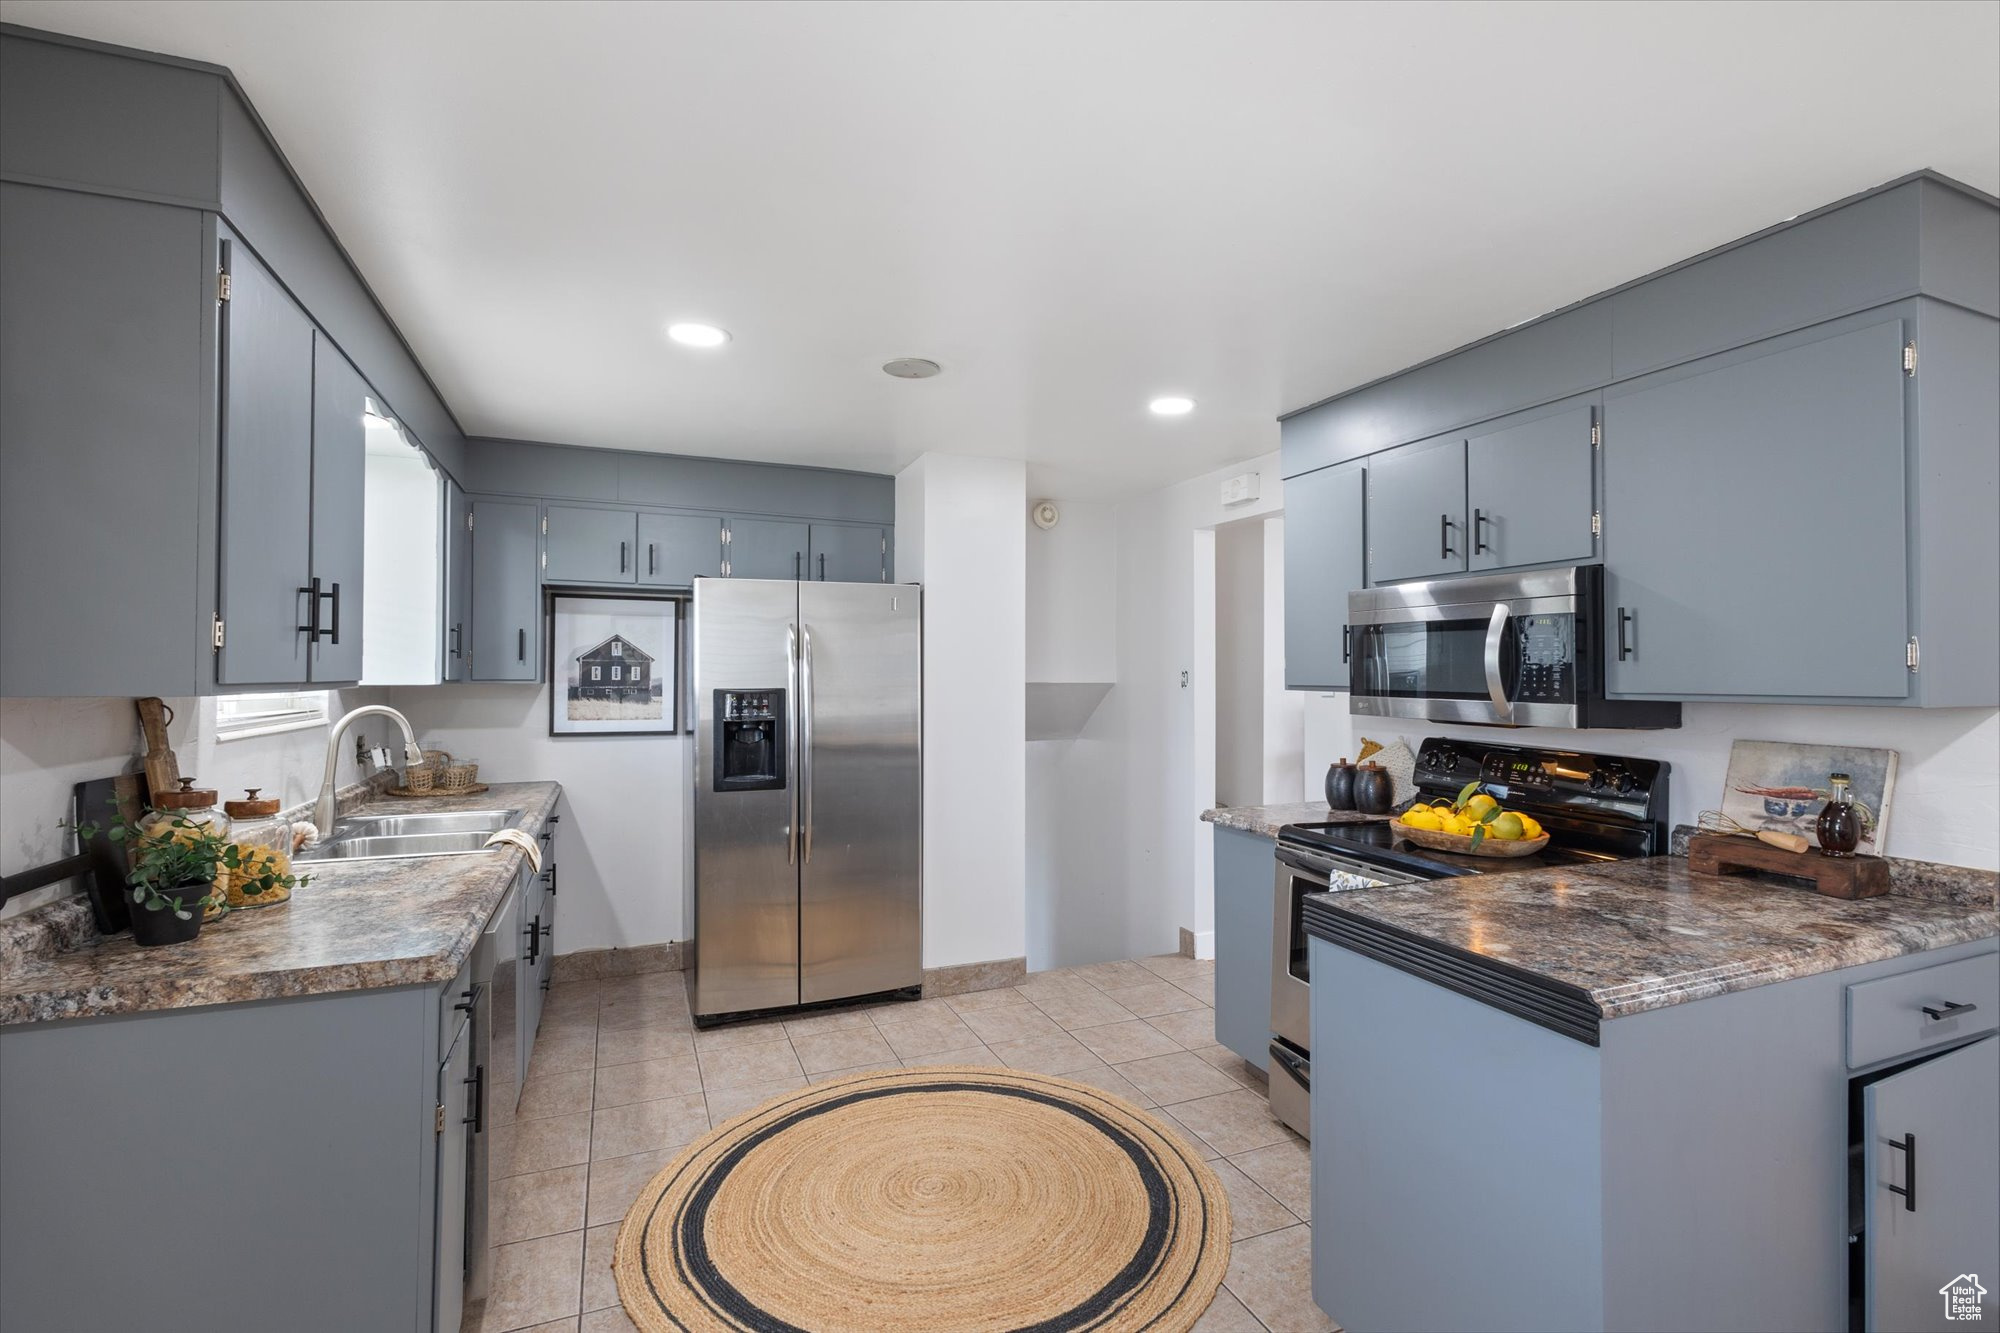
806, 793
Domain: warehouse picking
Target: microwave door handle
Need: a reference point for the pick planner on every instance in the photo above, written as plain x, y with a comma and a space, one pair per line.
1496, 633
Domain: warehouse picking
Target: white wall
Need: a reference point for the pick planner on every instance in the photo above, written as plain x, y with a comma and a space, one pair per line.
1072, 594
620, 842
1239, 663
959, 531
1946, 806
1284, 728
49, 745
400, 615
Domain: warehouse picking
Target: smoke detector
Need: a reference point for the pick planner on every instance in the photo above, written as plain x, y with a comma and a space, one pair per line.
912, 368
1045, 514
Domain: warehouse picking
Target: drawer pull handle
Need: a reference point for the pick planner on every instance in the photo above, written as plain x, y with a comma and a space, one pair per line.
1908, 1189
1939, 1013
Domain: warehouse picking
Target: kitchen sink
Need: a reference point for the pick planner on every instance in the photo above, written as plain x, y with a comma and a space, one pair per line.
350, 847
460, 821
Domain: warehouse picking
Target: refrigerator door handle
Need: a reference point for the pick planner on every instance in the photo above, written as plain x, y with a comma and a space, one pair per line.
792, 741
805, 748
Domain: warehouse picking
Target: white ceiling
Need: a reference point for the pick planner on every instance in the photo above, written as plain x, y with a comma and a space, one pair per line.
1073, 207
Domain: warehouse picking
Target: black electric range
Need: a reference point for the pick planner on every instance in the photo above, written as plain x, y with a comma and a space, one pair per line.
1594, 807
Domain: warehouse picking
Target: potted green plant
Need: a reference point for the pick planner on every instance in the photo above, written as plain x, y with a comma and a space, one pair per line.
173, 864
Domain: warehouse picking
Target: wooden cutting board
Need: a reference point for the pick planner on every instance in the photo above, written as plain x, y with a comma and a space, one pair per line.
163, 770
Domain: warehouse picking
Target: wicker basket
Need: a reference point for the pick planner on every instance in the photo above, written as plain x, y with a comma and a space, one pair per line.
419, 777
1462, 843
459, 776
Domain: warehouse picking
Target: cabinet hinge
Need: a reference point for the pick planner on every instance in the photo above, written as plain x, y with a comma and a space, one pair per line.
1596, 435
545, 525
468, 520
725, 536
725, 569
222, 286
545, 560
1597, 524
1909, 358
217, 635
1911, 654
437, 1120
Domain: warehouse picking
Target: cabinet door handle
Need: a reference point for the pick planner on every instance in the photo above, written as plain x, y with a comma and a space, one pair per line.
1346, 643
652, 559
534, 934
1908, 1189
457, 633
521, 645
1624, 645
1949, 1009
478, 1084
1479, 520
334, 637
1444, 537
796, 572
312, 595
822, 566
621, 557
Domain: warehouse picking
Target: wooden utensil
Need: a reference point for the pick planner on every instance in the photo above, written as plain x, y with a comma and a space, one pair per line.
163, 770
1834, 876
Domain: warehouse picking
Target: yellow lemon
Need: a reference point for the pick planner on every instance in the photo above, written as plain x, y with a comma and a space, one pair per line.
1479, 804
1420, 818
1507, 826
1529, 828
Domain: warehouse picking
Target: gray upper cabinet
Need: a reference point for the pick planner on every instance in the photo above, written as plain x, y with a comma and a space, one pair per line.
1754, 510
1932, 1172
506, 591
1416, 511
1532, 490
847, 553
105, 485
267, 476
457, 581
591, 545
1325, 559
339, 526
764, 548
676, 549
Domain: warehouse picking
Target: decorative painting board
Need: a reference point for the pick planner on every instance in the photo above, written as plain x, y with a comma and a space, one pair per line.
1782, 786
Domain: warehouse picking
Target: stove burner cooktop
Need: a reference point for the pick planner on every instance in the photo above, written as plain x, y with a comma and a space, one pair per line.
1595, 808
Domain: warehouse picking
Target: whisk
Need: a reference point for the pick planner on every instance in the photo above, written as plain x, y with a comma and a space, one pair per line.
1714, 821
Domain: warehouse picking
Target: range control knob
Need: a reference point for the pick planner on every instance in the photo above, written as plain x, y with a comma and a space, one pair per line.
1626, 782
1443, 760
1598, 778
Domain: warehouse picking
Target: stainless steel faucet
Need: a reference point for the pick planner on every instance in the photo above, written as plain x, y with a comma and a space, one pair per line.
323, 808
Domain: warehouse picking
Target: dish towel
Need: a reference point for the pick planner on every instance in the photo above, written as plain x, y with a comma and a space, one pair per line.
524, 842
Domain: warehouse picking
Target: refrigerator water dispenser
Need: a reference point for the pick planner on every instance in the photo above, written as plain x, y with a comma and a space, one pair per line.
749, 740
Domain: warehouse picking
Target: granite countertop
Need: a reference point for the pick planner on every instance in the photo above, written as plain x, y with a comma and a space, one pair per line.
360, 925
1266, 820
1648, 933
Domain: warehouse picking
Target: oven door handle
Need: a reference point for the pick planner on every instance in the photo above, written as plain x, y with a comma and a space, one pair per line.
1284, 1058
1310, 866
1496, 633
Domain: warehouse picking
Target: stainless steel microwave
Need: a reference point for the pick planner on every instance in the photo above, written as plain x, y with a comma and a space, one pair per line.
1505, 650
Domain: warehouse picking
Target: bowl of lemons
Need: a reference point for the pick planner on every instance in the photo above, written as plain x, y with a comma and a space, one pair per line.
1475, 824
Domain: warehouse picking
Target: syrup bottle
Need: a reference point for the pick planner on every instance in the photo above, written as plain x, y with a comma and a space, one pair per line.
1840, 821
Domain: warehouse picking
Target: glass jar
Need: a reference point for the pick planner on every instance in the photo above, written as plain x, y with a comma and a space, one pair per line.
264, 842
1840, 822
175, 815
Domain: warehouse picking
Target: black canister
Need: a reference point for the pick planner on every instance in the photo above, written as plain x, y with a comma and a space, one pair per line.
1340, 786
1374, 790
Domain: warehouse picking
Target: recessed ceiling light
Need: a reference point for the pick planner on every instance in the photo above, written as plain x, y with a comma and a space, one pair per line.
1171, 407
698, 335
912, 368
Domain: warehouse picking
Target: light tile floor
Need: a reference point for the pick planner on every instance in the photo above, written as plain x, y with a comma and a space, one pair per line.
620, 1080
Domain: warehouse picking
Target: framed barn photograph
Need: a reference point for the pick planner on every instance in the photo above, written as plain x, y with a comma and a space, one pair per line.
613, 667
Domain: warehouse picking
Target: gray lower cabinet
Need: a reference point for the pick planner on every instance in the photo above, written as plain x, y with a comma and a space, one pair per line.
536, 962
1754, 505
265, 539
307, 1175
1325, 559
1531, 485
339, 516
590, 545
1244, 922
676, 549
1416, 511
1701, 1166
455, 1123
1932, 1169
764, 548
506, 591
457, 582
847, 553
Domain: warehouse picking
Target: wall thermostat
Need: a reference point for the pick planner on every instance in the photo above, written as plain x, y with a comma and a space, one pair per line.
1240, 489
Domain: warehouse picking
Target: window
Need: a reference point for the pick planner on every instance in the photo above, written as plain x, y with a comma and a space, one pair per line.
638, 673
239, 715
618, 648
614, 672
596, 672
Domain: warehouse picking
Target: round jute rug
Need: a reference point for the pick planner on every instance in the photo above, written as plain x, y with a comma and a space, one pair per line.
928, 1201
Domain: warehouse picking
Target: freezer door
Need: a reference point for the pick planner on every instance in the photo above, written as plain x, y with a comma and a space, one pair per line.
861, 788
746, 897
